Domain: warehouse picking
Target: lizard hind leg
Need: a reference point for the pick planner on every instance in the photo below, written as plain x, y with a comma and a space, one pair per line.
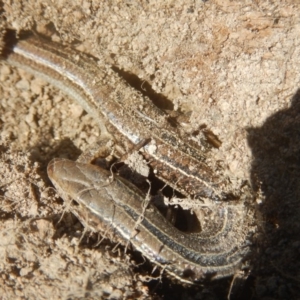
101, 150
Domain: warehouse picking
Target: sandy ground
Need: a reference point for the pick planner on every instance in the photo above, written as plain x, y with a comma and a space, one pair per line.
232, 66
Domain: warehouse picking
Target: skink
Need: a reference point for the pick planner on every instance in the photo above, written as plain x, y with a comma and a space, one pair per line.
115, 206
129, 118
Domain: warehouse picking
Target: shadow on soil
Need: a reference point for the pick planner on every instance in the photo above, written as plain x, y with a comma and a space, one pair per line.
275, 175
